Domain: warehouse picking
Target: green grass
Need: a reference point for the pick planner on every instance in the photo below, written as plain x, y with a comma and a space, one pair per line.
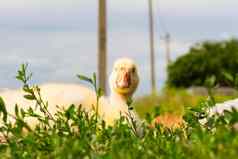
72, 134
174, 101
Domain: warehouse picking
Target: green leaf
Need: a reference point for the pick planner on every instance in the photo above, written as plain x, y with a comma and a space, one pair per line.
23, 113
16, 111
100, 92
129, 101
210, 81
27, 89
228, 76
3, 109
19, 77
94, 79
29, 97
69, 112
24, 67
84, 78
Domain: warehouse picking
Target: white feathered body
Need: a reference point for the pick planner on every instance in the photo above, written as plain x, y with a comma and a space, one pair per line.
63, 95
219, 108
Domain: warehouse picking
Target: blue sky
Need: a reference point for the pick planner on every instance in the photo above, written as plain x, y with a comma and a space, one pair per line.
59, 37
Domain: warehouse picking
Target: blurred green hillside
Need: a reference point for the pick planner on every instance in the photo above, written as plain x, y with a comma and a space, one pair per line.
205, 59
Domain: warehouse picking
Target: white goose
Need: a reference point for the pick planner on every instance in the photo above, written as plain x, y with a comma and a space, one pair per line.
219, 108
123, 83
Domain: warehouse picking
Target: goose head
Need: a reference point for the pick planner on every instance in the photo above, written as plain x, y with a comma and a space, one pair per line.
124, 78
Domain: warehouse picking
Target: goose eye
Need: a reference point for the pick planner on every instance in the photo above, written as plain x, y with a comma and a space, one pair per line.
133, 70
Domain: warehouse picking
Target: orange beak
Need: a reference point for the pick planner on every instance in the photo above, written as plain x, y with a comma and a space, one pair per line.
124, 81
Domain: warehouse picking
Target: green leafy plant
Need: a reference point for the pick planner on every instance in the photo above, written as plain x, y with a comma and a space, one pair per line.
99, 91
32, 92
73, 133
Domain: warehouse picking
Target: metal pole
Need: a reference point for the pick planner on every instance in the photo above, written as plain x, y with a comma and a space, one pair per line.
102, 44
152, 52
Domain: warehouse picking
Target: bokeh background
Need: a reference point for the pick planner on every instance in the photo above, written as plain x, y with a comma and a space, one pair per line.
58, 38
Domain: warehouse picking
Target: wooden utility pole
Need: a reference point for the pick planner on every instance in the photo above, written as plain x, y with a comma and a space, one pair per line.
152, 49
167, 45
102, 44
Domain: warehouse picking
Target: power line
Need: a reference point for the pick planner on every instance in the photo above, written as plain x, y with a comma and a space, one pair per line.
166, 36
160, 21
167, 46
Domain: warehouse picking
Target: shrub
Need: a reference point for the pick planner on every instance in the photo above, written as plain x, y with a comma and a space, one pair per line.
203, 61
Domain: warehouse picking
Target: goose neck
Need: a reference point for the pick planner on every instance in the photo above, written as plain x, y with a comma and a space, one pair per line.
118, 98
